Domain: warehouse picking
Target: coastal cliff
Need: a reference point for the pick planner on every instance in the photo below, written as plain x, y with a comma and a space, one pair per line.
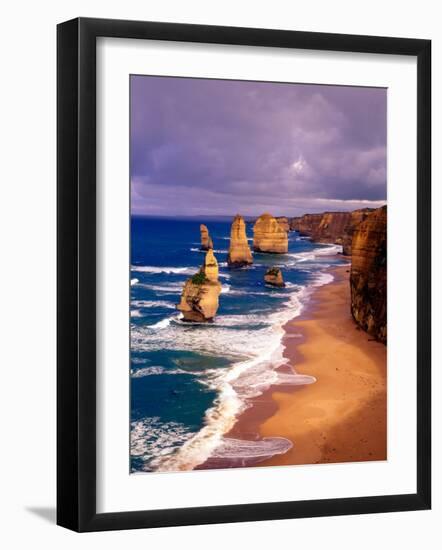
306, 224
199, 299
357, 216
269, 236
239, 250
330, 227
284, 223
368, 277
206, 240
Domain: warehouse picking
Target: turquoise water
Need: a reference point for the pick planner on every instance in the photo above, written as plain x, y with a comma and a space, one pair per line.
189, 382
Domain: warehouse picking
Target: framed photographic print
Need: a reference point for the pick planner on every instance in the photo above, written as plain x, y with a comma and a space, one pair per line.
238, 340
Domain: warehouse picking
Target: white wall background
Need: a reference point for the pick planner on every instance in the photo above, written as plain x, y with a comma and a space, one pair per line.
27, 285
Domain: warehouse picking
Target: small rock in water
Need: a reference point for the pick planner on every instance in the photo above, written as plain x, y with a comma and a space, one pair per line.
273, 277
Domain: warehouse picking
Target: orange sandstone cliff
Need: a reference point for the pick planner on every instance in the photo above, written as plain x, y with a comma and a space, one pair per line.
330, 227
368, 277
357, 216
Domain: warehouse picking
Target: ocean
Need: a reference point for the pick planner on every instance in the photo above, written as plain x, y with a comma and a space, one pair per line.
190, 382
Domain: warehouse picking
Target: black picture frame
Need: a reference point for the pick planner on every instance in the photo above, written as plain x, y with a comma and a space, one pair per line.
76, 273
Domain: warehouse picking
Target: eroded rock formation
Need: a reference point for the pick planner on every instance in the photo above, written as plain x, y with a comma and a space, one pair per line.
268, 235
357, 216
206, 240
306, 224
274, 277
284, 223
330, 227
368, 277
239, 250
199, 299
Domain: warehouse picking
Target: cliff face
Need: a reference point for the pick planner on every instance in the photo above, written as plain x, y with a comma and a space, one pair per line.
239, 250
331, 227
273, 277
199, 299
268, 235
357, 216
306, 224
368, 278
206, 241
284, 223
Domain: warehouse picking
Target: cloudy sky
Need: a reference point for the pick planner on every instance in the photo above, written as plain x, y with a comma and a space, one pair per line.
211, 147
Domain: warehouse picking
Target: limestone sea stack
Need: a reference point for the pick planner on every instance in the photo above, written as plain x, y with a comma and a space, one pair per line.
368, 277
269, 236
199, 299
239, 250
206, 240
273, 277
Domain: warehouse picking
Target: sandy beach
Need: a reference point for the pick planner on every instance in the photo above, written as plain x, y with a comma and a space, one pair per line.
341, 417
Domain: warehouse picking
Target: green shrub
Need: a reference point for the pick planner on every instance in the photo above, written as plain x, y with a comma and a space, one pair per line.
199, 278
273, 271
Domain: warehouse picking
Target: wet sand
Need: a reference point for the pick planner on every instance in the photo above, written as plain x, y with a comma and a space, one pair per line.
342, 416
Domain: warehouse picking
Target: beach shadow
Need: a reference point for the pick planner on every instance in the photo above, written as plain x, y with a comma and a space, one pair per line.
46, 513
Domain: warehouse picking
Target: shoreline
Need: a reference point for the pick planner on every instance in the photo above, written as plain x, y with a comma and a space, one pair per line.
342, 416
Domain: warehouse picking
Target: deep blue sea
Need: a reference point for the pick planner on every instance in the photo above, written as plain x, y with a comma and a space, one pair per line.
189, 382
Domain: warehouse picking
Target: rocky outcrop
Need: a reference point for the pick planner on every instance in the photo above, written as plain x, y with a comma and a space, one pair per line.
284, 223
357, 216
268, 235
274, 277
330, 227
206, 240
306, 224
239, 250
199, 299
368, 277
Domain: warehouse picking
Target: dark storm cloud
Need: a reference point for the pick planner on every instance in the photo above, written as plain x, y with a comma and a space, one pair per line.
221, 147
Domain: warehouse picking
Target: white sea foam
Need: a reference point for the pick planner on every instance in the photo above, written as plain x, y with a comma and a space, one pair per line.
311, 255
152, 303
154, 371
242, 450
164, 323
215, 250
153, 439
133, 282
323, 279
161, 270
167, 288
155, 270
329, 250
293, 379
135, 313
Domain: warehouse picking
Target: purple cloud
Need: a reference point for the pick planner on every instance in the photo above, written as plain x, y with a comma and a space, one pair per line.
220, 147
